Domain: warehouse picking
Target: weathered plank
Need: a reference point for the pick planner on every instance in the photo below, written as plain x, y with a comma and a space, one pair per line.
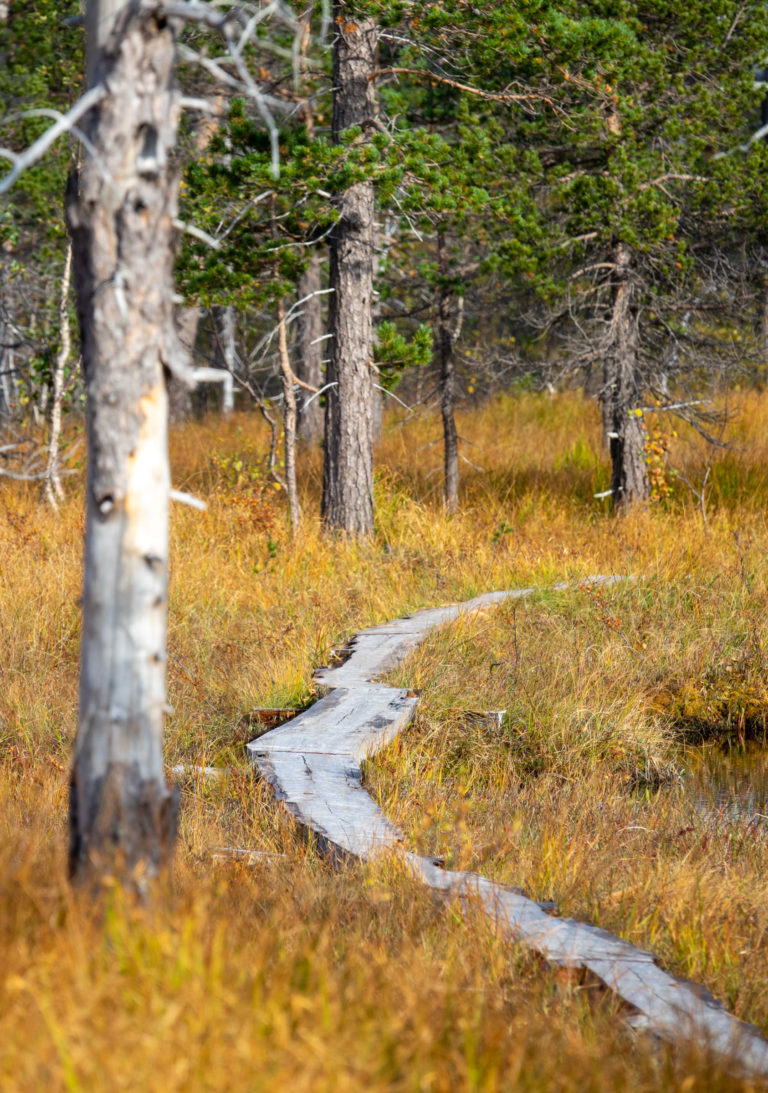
669, 1007
354, 722
201, 774
313, 765
242, 856
325, 793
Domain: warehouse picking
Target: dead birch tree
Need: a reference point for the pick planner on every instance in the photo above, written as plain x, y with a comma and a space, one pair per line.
7, 337
309, 352
53, 489
121, 212
290, 419
122, 217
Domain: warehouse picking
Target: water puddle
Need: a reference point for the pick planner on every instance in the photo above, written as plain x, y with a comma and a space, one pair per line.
731, 785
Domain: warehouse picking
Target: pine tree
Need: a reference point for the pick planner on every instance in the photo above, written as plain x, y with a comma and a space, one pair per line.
634, 238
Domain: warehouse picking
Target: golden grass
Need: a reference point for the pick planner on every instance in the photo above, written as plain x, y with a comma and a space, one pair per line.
289, 973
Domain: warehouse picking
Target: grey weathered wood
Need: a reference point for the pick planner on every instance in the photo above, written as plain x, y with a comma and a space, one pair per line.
203, 774
243, 856
187, 320
380, 648
8, 375
355, 722
121, 211
309, 347
671, 1008
313, 765
221, 376
289, 415
328, 788
53, 488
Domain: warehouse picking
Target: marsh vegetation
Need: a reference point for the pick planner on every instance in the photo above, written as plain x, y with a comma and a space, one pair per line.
286, 971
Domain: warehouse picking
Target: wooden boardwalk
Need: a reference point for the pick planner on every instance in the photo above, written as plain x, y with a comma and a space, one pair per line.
313, 764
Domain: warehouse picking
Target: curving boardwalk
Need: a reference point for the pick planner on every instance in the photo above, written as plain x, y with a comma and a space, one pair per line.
313, 764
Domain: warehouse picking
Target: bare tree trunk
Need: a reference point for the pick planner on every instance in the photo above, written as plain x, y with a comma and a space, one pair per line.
447, 407
377, 410
378, 396
53, 491
179, 393
447, 387
225, 357
180, 403
121, 212
309, 365
7, 337
226, 333
289, 419
622, 417
311, 328
348, 466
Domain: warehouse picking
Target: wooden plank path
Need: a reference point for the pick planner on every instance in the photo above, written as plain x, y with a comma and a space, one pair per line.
313, 764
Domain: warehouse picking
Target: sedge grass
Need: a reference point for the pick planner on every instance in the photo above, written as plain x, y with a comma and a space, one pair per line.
289, 973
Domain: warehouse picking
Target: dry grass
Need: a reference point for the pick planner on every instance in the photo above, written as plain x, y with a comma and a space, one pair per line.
288, 973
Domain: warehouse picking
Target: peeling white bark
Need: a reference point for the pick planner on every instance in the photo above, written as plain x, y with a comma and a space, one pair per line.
53, 491
121, 211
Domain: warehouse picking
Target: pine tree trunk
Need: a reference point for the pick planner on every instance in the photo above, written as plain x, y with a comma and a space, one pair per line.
447, 408
623, 421
121, 212
309, 365
447, 388
348, 466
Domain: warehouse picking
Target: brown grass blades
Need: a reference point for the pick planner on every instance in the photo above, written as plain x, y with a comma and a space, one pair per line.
312, 763
248, 978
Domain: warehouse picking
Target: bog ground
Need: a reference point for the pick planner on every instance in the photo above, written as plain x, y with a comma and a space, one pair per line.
291, 972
